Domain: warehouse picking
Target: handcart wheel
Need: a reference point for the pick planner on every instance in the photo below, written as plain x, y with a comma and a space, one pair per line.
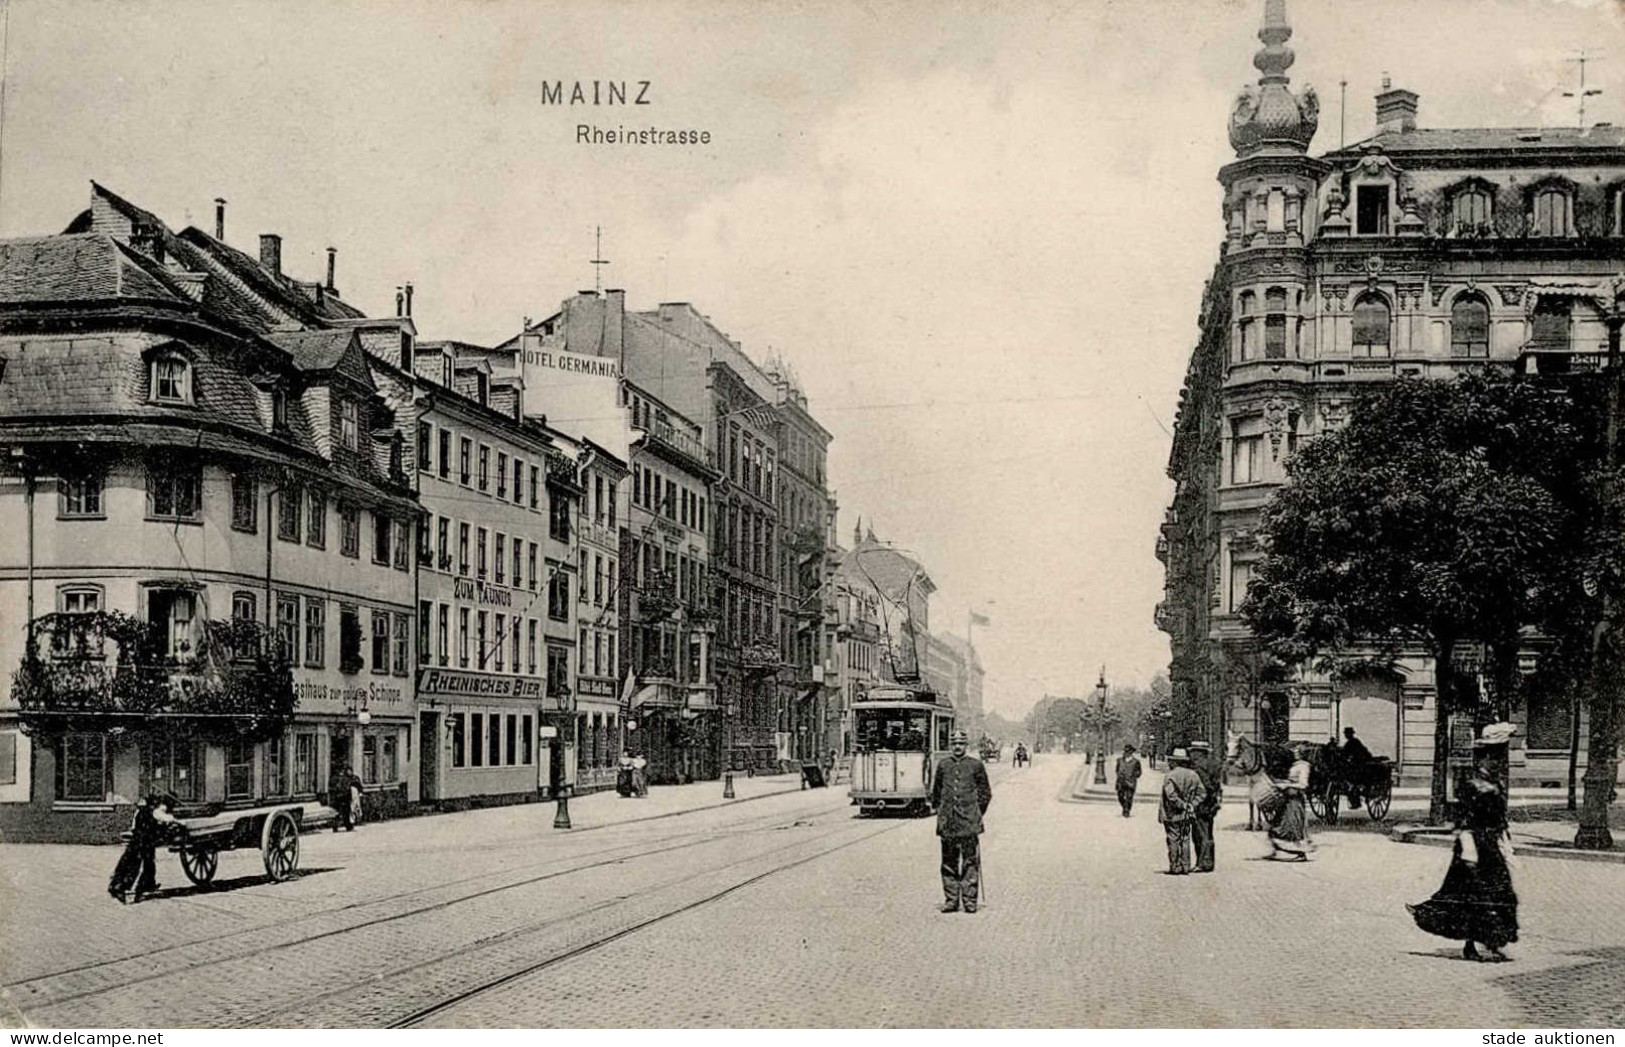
200, 864
280, 843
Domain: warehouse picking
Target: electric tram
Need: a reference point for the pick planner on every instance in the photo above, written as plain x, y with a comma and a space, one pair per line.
901, 733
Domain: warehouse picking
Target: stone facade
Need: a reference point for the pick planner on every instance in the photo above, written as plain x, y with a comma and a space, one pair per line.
1415, 252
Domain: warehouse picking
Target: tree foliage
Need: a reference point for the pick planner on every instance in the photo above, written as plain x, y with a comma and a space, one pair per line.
1444, 511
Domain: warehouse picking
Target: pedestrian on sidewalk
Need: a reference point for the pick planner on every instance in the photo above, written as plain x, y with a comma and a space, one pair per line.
138, 865
1211, 771
1289, 822
357, 806
1127, 776
640, 774
1181, 795
1477, 902
960, 794
623, 775
339, 798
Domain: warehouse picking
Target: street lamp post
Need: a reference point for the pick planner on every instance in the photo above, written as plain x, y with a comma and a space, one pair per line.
1100, 713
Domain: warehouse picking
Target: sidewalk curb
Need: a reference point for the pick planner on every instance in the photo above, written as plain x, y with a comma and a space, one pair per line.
1436, 836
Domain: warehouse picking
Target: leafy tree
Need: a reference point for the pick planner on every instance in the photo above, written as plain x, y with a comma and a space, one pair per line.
1445, 511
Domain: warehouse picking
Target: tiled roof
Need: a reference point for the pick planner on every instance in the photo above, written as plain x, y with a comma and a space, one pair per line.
1514, 139
88, 377
82, 268
318, 350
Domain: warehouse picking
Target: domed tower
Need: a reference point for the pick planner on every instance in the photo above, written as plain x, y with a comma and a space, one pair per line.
1269, 209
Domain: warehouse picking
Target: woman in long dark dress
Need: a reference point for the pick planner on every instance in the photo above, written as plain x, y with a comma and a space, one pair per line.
1476, 902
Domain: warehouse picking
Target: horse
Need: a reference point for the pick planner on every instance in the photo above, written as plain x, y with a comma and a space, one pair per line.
1260, 764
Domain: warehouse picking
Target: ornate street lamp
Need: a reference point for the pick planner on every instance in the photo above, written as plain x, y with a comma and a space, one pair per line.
1100, 716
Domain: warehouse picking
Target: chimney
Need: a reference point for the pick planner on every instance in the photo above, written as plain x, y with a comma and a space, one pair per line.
1396, 109
614, 322
400, 300
332, 259
408, 299
271, 252
220, 218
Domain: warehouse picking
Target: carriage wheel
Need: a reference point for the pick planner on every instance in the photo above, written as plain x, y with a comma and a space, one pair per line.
199, 865
1377, 806
280, 843
1317, 804
1330, 818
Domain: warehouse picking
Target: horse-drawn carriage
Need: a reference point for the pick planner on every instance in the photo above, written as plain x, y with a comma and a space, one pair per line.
991, 751
1331, 780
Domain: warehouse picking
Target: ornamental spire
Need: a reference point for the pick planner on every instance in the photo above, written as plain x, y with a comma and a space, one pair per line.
1275, 57
1268, 118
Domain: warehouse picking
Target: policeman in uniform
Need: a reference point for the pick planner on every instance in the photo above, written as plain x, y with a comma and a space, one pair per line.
960, 795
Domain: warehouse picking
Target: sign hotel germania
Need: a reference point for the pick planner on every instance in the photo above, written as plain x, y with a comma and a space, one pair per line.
476, 685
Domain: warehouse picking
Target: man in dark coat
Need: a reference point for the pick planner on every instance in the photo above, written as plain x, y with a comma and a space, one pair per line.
138, 866
1181, 796
960, 795
338, 797
1353, 762
1208, 768
1128, 778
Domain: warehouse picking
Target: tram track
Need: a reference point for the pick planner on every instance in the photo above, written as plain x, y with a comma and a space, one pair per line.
45, 991
528, 958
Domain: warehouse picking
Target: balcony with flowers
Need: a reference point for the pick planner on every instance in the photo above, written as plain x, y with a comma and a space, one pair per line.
102, 670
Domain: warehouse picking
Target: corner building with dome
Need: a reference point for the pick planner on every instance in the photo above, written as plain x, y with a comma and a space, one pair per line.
1415, 251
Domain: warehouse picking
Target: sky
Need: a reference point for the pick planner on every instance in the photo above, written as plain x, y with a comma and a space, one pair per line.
978, 232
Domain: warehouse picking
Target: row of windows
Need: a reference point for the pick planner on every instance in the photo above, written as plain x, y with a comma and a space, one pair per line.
663, 650
746, 539
597, 656
1373, 323
301, 633
604, 510
663, 495
648, 560
750, 462
281, 766
602, 590
747, 616
508, 560
506, 478
483, 640
175, 493
491, 739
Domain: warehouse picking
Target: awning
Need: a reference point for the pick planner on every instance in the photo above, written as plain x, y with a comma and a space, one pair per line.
658, 695
812, 692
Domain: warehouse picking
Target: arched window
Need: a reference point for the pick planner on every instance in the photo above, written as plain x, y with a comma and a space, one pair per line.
1275, 323
1553, 213
1470, 326
1470, 213
1248, 331
1551, 324
1371, 316
171, 379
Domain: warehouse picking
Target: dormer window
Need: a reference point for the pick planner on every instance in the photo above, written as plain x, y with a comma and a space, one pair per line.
279, 409
1371, 210
172, 379
482, 389
349, 423
1552, 214
1470, 213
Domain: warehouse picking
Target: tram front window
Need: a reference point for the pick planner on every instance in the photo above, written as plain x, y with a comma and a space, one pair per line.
893, 730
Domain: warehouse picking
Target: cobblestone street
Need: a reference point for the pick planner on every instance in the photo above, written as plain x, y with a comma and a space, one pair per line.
789, 911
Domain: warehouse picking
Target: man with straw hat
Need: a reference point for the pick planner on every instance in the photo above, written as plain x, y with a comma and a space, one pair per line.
1211, 771
960, 795
1182, 794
